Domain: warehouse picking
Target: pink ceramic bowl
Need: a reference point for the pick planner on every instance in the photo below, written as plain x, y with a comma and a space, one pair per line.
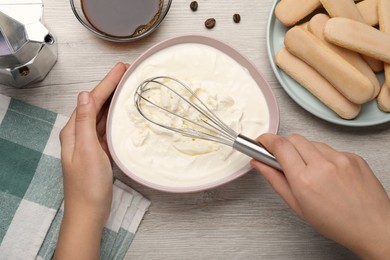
239, 58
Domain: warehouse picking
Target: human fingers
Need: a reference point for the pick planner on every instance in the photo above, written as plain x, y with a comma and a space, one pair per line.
67, 140
327, 150
332, 154
279, 183
101, 131
85, 123
106, 87
104, 109
102, 114
284, 152
101, 123
306, 149
345, 161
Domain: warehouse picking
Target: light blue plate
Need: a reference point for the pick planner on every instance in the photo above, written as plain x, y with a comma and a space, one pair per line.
370, 114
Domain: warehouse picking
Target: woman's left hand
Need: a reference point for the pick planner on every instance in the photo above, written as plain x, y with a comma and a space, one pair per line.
87, 171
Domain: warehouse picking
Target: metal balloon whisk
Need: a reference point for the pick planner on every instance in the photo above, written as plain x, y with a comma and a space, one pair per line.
191, 117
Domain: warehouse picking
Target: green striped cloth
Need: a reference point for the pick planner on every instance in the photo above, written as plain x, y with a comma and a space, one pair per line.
31, 192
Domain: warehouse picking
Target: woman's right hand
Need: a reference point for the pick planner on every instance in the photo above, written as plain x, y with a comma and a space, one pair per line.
336, 192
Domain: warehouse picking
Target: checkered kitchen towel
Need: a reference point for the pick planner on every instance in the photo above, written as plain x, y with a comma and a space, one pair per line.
31, 194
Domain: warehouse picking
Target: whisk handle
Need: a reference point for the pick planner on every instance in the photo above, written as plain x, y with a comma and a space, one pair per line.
255, 150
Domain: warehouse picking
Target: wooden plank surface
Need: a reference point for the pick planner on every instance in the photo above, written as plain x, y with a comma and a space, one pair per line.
244, 219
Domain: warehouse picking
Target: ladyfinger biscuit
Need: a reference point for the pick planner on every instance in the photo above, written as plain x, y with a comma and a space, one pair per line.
348, 9
342, 8
384, 26
355, 86
358, 37
368, 9
384, 15
375, 64
316, 84
316, 27
289, 12
383, 99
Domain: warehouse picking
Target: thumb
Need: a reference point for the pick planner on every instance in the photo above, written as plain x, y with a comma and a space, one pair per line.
86, 136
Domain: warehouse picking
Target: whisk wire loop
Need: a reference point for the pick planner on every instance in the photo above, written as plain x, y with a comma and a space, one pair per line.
216, 131
204, 109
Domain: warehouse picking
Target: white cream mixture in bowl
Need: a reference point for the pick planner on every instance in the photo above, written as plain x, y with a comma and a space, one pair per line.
225, 80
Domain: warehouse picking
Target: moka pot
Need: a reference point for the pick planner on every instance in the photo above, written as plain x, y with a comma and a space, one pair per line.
28, 50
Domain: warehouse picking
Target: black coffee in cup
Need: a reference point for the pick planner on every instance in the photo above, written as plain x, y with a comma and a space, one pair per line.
122, 18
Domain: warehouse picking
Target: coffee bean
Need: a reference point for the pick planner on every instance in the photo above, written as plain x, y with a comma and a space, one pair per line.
194, 6
210, 23
236, 18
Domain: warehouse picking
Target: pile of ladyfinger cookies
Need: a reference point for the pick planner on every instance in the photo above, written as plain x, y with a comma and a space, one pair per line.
336, 53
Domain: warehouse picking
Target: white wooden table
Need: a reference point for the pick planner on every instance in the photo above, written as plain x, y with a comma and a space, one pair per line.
241, 220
